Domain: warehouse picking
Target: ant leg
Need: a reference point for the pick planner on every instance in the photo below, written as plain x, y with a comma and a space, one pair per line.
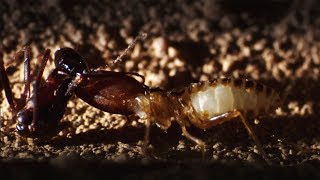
39, 71
5, 83
26, 92
12, 61
35, 106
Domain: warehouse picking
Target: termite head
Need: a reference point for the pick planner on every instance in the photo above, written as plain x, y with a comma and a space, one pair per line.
70, 61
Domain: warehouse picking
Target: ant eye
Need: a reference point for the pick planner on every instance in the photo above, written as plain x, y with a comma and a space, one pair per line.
23, 118
22, 129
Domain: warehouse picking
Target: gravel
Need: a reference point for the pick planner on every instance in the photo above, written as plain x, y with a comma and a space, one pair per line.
276, 43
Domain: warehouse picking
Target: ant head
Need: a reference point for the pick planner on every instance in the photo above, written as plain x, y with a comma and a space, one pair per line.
25, 127
70, 61
24, 120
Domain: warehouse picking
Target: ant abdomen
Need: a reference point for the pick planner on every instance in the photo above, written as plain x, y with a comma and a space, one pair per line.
110, 91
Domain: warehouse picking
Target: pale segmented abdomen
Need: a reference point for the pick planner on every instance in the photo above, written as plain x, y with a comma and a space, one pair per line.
213, 98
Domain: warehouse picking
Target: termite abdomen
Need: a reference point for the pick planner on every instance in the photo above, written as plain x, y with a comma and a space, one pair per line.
234, 94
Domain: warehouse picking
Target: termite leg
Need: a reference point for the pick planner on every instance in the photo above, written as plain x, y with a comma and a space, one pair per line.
146, 136
252, 134
5, 83
180, 119
194, 139
231, 115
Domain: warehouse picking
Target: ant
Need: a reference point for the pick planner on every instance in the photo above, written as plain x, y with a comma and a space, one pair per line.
203, 104
39, 115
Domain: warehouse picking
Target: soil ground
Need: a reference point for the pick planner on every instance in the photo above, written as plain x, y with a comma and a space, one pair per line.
276, 43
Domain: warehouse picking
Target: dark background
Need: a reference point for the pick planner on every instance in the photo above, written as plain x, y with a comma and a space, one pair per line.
273, 42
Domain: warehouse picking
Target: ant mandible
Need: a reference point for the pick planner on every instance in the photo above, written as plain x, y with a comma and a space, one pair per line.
203, 104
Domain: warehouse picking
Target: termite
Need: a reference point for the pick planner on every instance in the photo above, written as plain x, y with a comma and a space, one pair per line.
207, 104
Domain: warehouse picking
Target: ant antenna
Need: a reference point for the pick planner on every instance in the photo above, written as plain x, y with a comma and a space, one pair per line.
142, 36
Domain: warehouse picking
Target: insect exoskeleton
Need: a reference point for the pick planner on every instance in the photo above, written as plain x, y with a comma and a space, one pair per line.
156, 106
206, 104
207, 100
203, 103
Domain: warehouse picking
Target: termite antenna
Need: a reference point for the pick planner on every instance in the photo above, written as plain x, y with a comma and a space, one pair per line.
142, 36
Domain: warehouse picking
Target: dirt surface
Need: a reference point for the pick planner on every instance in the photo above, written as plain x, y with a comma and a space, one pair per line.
276, 43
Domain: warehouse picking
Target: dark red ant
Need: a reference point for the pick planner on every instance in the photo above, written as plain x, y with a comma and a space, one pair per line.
39, 115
